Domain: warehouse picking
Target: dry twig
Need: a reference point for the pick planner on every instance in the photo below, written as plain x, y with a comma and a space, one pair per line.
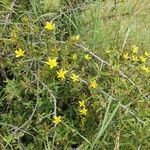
108, 64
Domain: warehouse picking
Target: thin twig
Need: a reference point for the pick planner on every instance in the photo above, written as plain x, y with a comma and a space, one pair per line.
124, 107
51, 94
14, 127
55, 105
112, 98
35, 108
30, 118
94, 55
108, 64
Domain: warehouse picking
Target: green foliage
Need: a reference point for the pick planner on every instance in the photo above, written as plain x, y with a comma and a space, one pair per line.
51, 5
74, 79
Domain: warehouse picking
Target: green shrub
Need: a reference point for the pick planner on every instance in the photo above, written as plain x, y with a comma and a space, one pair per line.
71, 93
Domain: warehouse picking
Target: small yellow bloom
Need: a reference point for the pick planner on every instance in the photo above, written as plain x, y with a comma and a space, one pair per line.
135, 58
75, 38
19, 53
82, 103
49, 26
83, 111
52, 62
146, 69
143, 59
93, 84
126, 56
61, 74
75, 77
135, 49
87, 57
57, 119
74, 56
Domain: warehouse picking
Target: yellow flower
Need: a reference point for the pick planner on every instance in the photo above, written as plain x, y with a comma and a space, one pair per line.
52, 62
143, 59
134, 58
83, 111
19, 53
93, 84
87, 57
135, 49
49, 26
61, 74
146, 54
75, 38
74, 56
74, 77
57, 120
126, 56
82, 103
146, 69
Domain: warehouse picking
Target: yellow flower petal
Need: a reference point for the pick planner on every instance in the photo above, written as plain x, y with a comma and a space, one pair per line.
83, 111
75, 38
93, 84
49, 26
75, 77
135, 58
19, 53
145, 69
61, 74
143, 59
82, 103
57, 119
135, 49
87, 57
52, 62
126, 56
